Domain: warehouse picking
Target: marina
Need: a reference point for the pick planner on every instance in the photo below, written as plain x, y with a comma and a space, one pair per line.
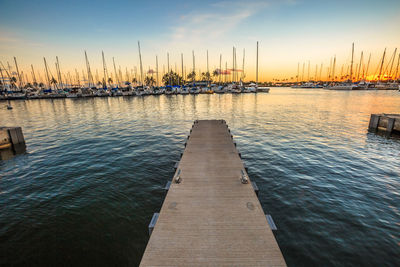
199, 133
15, 85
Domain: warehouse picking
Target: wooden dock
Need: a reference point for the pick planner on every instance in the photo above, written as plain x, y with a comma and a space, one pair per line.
389, 123
12, 142
211, 216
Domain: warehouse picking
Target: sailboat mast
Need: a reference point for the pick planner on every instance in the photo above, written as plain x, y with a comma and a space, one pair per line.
243, 64
141, 66
369, 60
59, 73
226, 70
320, 72
257, 65
169, 76
208, 72
33, 75
329, 70
8, 73
391, 66
47, 72
157, 70
298, 71
77, 78
194, 67
316, 72
116, 75
233, 64
308, 71
2, 77
351, 66
333, 68
220, 67
359, 66
89, 74
19, 77
182, 69
105, 74
380, 69
397, 68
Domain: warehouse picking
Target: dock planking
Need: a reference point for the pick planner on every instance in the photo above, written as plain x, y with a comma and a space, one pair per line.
210, 218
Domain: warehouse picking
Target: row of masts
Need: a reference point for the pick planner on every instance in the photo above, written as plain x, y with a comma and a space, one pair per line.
60, 80
354, 71
386, 69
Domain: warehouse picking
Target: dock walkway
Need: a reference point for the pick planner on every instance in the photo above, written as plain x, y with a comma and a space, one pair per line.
209, 217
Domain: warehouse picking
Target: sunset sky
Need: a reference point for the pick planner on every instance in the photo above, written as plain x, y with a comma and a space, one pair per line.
289, 32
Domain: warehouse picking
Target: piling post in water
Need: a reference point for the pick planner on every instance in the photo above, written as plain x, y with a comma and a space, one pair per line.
389, 123
12, 142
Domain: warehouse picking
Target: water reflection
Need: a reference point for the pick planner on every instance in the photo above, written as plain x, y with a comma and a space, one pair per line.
93, 175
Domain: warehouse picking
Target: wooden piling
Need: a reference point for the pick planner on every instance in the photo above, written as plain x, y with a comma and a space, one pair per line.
389, 123
211, 215
11, 142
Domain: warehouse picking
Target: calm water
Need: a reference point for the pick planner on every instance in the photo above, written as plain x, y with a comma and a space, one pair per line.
86, 190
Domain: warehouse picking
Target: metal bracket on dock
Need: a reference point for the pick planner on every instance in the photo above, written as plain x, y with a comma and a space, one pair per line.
271, 222
167, 186
245, 167
244, 178
255, 187
240, 155
177, 177
234, 143
176, 165
153, 222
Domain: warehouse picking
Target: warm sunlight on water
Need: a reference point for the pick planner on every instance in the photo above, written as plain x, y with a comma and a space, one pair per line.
85, 192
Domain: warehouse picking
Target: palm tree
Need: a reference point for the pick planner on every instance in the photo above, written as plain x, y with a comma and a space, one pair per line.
13, 80
134, 80
205, 76
172, 78
216, 73
149, 80
191, 76
110, 81
54, 82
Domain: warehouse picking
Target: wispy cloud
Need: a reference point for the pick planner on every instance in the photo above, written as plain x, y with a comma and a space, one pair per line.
215, 20
9, 40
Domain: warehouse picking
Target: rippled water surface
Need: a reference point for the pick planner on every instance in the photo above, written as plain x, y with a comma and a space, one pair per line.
92, 177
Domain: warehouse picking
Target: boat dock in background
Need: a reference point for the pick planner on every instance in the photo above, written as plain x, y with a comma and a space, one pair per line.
211, 215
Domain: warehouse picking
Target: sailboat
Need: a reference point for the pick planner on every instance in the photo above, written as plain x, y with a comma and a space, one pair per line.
253, 87
348, 85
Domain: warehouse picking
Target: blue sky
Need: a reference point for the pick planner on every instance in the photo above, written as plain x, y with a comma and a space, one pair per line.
289, 31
